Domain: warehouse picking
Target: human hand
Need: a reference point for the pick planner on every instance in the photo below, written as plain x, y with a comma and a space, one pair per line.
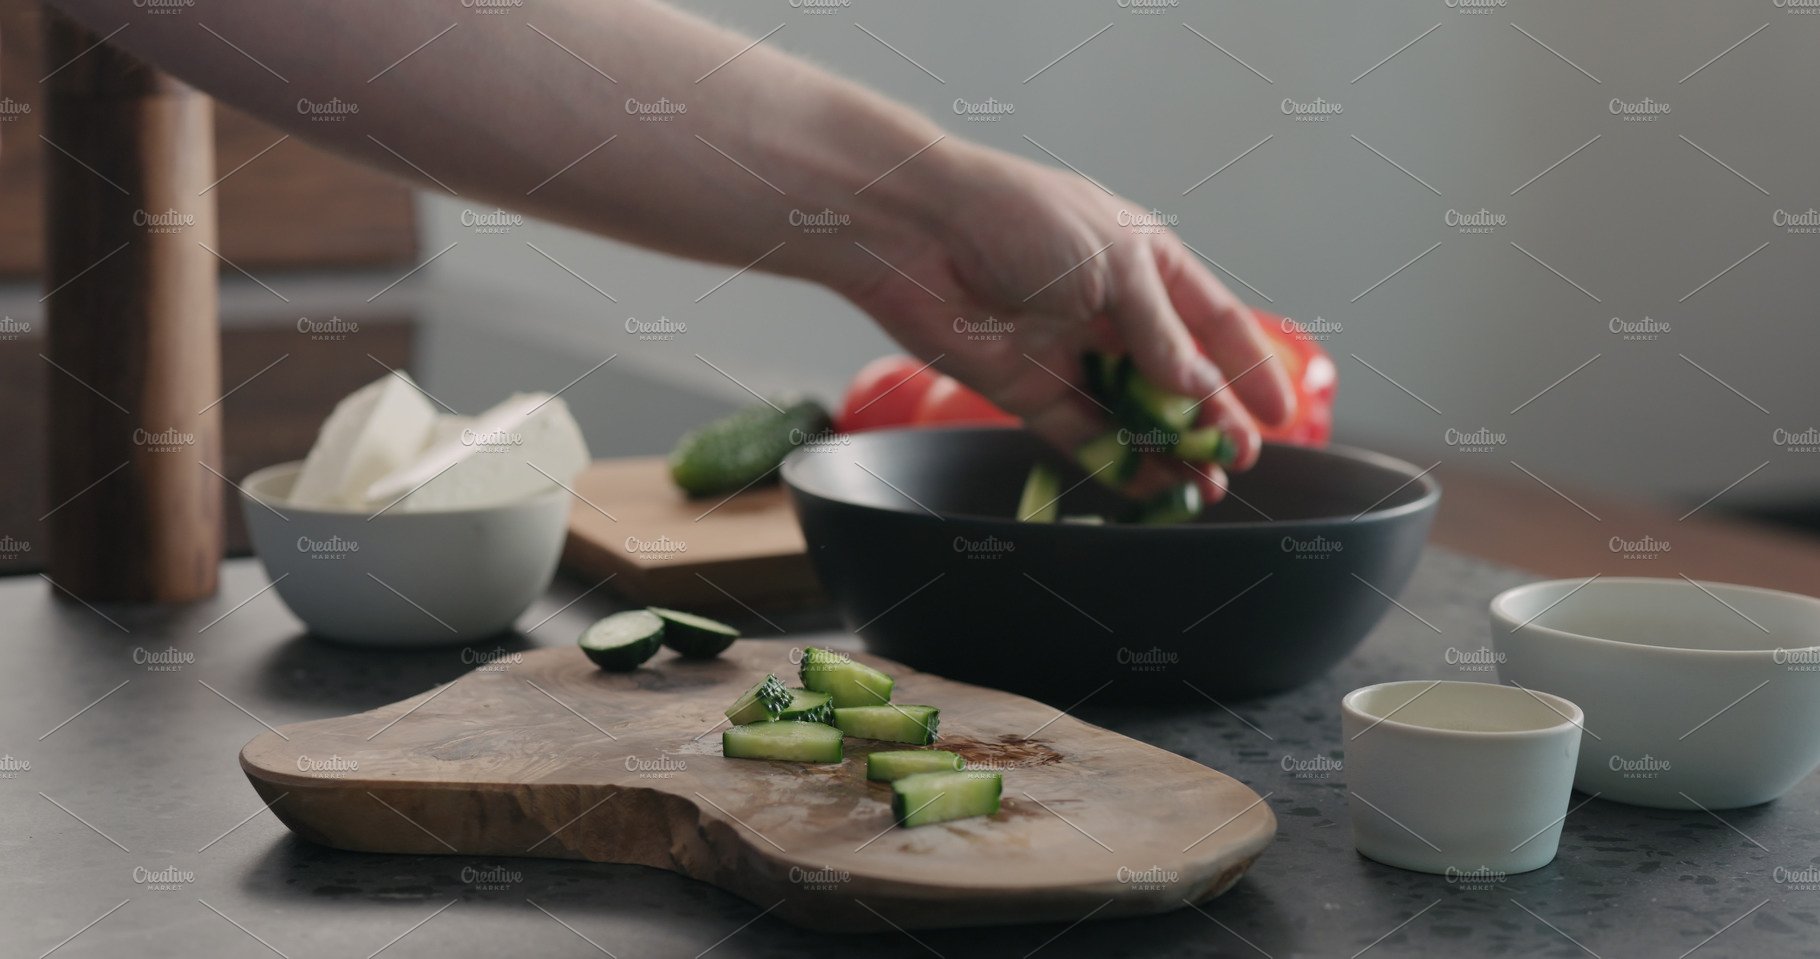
1048, 254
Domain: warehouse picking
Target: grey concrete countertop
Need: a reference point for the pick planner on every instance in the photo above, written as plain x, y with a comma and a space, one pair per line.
129, 826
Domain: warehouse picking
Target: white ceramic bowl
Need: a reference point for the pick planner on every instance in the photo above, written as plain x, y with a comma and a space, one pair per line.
1466, 780
1696, 696
404, 579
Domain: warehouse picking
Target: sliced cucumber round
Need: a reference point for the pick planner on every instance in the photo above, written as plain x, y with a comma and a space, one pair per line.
795, 742
850, 683
622, 641
692, 636
894, 764
939, 797
764, 702
808, 706
889, 723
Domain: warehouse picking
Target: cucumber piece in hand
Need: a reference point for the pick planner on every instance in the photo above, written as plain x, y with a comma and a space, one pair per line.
764, 702
795, 742
737, 451
940, 797
808, 706
623, 640
692, 636
889, 723
1108, 459
1041, 500
1149, 406
1208, 444
894, 764
850, 683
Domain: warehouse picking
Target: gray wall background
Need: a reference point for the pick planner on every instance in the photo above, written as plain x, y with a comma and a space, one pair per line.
1638, 222
1476, 108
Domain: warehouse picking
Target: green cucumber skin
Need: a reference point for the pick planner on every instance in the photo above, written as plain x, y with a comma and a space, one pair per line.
742, 448
808, 706
692, 636
765, 701
894, 764
1041, 500
928, 798
915, 725
851, 683
783, 742
625, 657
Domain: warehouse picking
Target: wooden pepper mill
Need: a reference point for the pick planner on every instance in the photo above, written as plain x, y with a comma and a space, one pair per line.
131, 308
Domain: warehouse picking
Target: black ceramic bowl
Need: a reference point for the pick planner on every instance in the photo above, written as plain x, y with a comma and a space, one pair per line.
911, 533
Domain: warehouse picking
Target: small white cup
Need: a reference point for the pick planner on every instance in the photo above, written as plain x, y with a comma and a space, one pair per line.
1457, 778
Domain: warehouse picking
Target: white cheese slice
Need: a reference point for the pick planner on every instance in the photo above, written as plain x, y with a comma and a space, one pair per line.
372, 432
524, 446
449, 427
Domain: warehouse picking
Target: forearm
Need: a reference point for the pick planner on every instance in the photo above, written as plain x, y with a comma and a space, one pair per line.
502, 109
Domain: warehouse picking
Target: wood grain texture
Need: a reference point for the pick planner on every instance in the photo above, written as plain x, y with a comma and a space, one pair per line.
294, 206
131, 307
550, 757
662, 547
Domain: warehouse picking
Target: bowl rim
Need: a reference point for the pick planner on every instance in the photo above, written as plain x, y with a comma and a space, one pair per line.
265, 474
1575, 719
1430, 490
1501, 617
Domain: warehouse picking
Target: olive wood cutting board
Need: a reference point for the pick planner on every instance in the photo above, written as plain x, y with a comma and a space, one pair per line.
551, 757
631, 523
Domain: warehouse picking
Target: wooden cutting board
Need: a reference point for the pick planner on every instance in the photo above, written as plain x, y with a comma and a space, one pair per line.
630, 522
551, 757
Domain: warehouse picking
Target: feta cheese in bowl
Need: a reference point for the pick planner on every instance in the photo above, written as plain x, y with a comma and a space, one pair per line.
404, 527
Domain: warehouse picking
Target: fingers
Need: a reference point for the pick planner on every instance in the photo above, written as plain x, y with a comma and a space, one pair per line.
1055, 407
1156, 338
1225, 328
1164, 352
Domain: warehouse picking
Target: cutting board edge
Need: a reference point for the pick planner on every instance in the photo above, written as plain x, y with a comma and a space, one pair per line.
890, 904
1259, 818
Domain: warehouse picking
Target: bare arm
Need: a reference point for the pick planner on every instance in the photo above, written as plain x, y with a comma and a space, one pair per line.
495, 107
634, 120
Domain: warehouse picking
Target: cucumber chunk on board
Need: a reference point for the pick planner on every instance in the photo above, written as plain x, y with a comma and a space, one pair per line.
849, 682
791, 742
808, 706
764, 702
889, 723
893, 764
941, 797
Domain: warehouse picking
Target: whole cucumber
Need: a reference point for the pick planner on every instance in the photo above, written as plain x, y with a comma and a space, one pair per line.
741, 448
